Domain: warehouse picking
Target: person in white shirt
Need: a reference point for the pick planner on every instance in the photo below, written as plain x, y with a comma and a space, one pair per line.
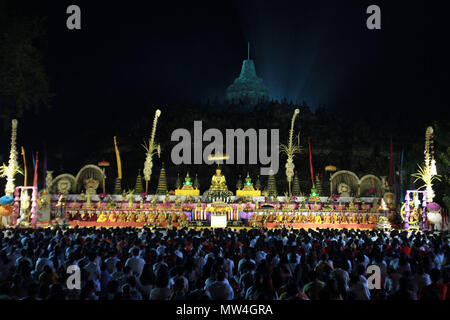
342, 276
41, 263
111, 263
161, 290
228, 266
221, 289
246, 258
179, 274
92, 268
136, 263
358, 289
160, 263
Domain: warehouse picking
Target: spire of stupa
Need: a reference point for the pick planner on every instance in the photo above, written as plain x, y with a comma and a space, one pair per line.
248, 88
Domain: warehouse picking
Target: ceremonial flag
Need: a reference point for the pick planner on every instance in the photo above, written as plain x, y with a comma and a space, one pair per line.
310, 161
35, 178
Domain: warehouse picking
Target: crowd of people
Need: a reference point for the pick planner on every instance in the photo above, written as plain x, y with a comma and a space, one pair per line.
222, 264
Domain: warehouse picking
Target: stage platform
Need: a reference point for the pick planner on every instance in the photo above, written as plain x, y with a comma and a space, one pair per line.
175, 224
321, 226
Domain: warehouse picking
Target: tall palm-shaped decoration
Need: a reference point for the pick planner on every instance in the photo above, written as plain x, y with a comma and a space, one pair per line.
290, 150
10, 170
428, 172
151, 149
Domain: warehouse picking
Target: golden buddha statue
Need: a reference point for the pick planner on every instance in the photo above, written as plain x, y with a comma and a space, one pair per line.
351, 206
218, 182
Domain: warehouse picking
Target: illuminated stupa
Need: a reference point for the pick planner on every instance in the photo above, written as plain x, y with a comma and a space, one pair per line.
248, 88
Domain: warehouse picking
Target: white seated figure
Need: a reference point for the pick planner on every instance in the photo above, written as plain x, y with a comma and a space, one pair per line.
343, 190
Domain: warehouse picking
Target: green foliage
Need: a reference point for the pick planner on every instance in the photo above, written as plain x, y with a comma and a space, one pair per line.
23, 83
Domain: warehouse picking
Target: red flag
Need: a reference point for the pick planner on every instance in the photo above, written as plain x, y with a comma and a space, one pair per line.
35, 178
391, 165
310, 161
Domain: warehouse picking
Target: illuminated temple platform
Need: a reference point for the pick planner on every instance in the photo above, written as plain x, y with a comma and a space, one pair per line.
95, 224
321, 225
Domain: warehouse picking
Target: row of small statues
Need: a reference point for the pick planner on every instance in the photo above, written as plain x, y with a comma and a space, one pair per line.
359, 218
153, 217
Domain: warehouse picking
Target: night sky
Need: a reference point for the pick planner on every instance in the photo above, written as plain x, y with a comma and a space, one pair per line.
134, 55
317, 51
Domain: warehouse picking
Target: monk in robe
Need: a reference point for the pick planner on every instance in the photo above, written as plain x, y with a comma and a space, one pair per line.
131, 217
318, 219
142, 217
162, 217
92, 216
303, 218
75, 215
151, 217
334, 218
122, 217
372, 218
270, 218
363, 219
290, 218
112, 217
183, 217
326, 219
280, 218
174, 217
351, 218
259, 218
102, 217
